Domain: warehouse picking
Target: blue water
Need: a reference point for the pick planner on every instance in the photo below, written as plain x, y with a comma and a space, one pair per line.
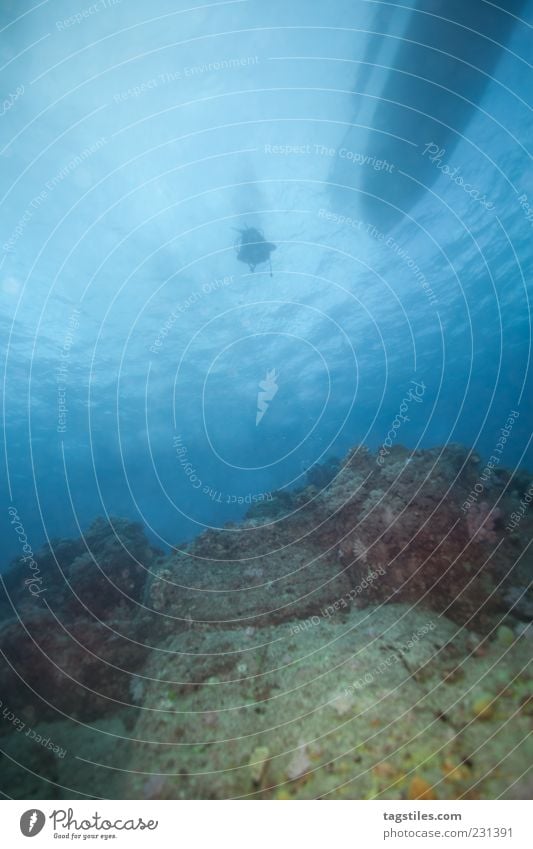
135, 141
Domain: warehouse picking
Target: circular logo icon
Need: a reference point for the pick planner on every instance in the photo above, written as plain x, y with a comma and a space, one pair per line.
32, 822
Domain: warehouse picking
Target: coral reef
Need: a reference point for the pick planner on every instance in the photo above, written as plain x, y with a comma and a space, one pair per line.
321, 474
366, 636
405, 517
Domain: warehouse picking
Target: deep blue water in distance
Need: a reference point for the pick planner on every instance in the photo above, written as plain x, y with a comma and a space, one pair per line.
136, 142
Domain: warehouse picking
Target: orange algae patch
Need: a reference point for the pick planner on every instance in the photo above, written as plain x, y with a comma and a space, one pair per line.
384, 770
420, 789
455, 772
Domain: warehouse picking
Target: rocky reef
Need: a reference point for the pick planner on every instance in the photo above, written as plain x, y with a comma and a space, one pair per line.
365, 636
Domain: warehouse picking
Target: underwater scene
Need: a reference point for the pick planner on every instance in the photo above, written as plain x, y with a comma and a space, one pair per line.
267, 472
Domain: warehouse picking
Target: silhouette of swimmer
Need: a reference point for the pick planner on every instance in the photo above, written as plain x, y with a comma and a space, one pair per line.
252, 249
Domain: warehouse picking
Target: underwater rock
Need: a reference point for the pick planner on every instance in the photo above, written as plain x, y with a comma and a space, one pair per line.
424, 728
505, 635
345, 598
484, 707
102, 571
71, 650
237, 579
520, 601
482, 522
409, 518
258, 763
299, 764
405, 521
412, 518
81, 670
281, 504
